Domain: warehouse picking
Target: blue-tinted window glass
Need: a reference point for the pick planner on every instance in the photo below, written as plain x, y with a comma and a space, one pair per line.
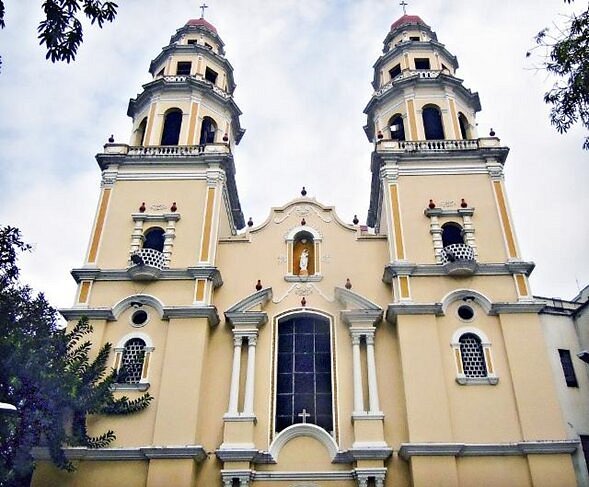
432, 123
303, 383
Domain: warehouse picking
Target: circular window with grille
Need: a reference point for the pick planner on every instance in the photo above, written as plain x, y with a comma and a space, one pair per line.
139, 318
465, 312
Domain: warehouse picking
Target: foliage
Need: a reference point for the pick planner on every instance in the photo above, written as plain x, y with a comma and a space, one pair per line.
61, 30
566, 55
48, 374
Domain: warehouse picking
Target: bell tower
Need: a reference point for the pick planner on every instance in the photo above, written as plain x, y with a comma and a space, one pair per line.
147, 284
457, 279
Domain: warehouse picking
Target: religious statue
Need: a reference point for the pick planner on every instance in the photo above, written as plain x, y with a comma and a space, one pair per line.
304, 262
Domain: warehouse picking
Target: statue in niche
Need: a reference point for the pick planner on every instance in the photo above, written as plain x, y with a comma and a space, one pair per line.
303, 255
303, 263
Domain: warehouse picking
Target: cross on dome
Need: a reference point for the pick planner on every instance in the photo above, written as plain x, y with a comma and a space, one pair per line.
202, 10
404, 5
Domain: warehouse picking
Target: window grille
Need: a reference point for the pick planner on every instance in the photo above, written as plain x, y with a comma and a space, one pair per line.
473, 358
132, 361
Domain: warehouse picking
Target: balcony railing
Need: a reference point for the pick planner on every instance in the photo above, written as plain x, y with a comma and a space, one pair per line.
428, 145
409, 73
459, 259
178, 150
183, 78
146, 264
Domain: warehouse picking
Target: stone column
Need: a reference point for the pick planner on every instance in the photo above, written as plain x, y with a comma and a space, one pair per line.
371, 365
358, 392
234, 393
248, 405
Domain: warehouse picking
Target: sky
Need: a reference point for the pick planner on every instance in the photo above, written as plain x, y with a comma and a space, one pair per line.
303, 70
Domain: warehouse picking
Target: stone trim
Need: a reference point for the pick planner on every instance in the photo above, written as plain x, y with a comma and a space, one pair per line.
370, 453
355, 300
303, 429
396, 269
95, 274
236, 454
71, 314
520, 307
139, 386
547, 447
293, 278
258, 298
395, 309
195, 452
262, 476
253, 318
209, 312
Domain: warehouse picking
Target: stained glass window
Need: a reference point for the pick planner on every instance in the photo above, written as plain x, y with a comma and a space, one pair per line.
304, 390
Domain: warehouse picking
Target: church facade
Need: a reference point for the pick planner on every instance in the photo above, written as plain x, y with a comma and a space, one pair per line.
307, 351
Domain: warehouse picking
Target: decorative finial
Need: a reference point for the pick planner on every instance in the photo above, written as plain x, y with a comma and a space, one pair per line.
379, 135
142, 207
250, 222
431, 205
355, 221
304, 192
303, 222
174, 207
111, 139
463, 204
492, 133
225, 137
202, 10
348, 284
404, 5
303, 302
259, 285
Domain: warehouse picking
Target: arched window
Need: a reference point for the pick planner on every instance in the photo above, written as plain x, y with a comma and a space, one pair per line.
303, 254
303, 379
397, 128
154, 239
140, 134
432, 123
207, 131
172, 125
452, 234
473, 358
463, 122
131, 366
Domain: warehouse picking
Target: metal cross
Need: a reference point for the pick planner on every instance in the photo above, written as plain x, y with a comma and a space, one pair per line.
202, 10
304, 415
404, 5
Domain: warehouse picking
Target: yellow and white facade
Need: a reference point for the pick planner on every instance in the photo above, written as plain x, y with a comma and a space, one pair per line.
307, 351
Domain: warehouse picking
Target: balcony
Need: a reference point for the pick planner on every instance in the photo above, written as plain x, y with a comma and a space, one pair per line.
179, 78
147, 264
459, 260
429, 145
166, 150
408, 73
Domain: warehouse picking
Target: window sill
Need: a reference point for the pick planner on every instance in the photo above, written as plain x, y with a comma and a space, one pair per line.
473, 381
140, 386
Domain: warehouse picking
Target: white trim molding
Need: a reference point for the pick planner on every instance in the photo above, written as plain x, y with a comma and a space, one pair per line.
546, 447
303, 429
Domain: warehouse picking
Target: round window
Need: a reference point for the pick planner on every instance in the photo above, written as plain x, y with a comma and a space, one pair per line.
139, 318
465, 312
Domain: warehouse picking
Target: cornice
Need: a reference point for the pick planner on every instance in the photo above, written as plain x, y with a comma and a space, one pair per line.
194, 452
548, 447
169, 312
399, 86
188, 273
483, 269
395, 309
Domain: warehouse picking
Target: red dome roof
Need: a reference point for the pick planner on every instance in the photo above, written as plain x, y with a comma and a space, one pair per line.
203, 23
407, 19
